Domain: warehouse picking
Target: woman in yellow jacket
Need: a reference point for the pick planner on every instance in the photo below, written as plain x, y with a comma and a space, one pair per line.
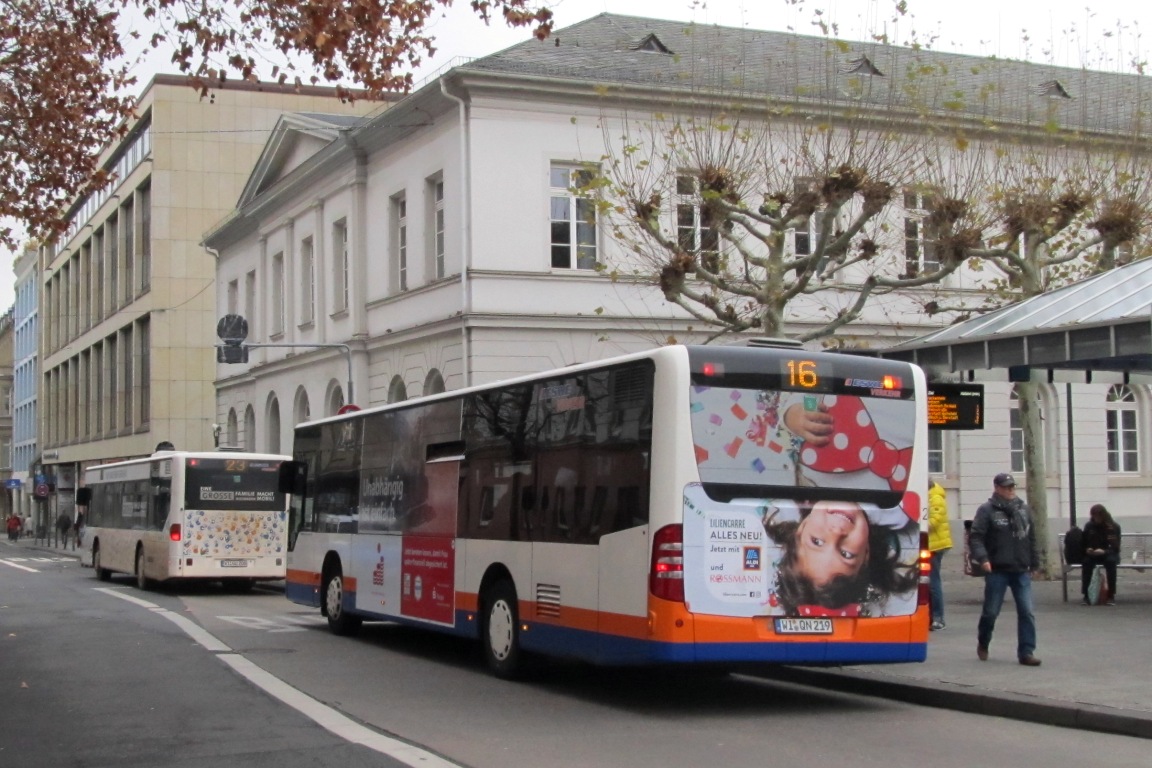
939, 542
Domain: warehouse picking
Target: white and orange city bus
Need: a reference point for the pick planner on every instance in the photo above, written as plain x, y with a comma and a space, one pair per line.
180, 515
689, 504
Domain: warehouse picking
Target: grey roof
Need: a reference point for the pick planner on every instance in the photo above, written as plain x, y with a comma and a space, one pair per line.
1101, 323
613, 49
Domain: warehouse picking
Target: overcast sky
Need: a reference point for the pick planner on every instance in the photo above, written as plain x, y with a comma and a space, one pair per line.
1105, 34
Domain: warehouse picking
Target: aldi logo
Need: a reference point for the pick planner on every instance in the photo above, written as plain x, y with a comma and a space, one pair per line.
751, 558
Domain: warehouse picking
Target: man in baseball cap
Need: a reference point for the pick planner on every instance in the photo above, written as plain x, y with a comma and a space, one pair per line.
1004, 547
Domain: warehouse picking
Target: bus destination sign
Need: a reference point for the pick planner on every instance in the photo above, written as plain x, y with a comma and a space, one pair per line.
955, 406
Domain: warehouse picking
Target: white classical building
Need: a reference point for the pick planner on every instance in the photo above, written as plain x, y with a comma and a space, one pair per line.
442, 244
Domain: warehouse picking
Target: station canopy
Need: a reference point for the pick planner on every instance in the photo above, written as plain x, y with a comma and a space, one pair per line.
1101, 323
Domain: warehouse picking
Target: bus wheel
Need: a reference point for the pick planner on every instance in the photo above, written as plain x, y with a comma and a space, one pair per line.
141, 579
501, 631
339, 621
101, 573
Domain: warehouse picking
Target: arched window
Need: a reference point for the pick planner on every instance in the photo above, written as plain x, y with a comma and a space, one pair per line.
335, 399
273, 425
397, 392
301, 411
1123, 433
433, 383
249, 429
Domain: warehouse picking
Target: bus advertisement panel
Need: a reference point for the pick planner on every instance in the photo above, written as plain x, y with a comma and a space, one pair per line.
684, 505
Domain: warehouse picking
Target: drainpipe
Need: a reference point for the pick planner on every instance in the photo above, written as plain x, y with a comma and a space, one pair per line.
466, 232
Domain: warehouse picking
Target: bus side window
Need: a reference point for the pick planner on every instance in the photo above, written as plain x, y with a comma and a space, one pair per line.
160, 503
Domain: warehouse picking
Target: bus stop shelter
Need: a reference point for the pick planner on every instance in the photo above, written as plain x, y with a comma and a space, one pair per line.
1102, 323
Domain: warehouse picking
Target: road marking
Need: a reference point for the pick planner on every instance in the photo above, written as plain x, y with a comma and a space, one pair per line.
261, 624
321, 714
21, 567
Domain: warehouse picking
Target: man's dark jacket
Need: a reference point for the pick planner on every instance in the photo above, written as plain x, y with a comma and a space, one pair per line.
1002, 534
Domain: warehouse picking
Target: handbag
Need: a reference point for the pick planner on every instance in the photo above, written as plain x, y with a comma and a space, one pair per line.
1098, 586
970, 568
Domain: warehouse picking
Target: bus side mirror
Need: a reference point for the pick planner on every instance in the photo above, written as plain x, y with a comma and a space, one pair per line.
293, 477
83, 496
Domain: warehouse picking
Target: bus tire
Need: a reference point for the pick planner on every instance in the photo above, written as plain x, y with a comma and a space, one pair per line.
500, 632
103, 574
141, 580
340, 622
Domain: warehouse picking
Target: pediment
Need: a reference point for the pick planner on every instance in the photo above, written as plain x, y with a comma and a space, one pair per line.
296, 138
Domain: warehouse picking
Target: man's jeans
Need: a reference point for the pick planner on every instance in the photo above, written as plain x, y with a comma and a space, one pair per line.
995, 585
936, 586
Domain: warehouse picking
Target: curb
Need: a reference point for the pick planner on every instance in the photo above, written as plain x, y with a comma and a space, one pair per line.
1085, 717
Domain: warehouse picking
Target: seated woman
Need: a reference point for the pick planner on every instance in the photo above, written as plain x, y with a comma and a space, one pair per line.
1101, 543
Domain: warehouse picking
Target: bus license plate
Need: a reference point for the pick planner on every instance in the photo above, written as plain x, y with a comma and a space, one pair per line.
803, 626
239, 564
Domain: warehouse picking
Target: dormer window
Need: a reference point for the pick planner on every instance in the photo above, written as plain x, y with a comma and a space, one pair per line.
861, 65
1053, 89
652, 44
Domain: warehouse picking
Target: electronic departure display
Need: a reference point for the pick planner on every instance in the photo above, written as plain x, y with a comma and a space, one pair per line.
955, 406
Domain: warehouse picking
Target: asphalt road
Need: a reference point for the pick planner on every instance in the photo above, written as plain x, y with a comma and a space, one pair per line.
99, 674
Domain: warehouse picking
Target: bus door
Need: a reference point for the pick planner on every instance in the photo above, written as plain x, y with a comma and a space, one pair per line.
428, 551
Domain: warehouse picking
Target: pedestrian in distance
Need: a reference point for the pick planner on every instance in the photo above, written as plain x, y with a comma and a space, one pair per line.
939, 542
63, 525
13, 525
1101, 543
78, 530
1003, 544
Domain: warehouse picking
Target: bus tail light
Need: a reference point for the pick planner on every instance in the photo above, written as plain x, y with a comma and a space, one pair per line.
923, 590
666, 580
174, 532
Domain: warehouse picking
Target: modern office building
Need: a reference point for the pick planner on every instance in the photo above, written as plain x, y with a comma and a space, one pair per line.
128, 308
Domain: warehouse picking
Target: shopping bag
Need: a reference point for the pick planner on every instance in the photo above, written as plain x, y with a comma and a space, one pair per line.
1098, 586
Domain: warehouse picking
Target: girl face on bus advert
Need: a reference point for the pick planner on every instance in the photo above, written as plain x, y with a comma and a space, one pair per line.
832, 541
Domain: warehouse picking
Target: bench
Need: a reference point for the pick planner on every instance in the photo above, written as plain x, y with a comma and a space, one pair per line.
1135, 554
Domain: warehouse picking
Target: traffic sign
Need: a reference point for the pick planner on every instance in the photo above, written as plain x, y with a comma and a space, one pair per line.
13, 483
41, 491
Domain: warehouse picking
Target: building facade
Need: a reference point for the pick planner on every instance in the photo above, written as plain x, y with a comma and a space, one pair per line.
25, 385
127, 313
446, 244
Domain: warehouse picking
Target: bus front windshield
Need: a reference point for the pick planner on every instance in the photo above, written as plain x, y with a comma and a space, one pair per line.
233, 484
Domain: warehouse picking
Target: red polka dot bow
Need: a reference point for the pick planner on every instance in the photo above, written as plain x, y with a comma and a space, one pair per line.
856, 445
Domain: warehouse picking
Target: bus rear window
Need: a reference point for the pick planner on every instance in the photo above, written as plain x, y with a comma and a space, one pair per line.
759, 437
233, 484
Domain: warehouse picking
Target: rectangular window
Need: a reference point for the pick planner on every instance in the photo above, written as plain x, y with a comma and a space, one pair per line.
128, 363
400, 243
112, 362
436, 222
920, 253
340, 287
1015, 437
573, 218
250, 303
307, 281
143, 334
695, 235
114, 235
233, 297
277, 293
935, 452
145, 197
128, 224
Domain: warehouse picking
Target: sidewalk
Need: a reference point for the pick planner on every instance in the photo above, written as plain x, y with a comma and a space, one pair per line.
1097, 662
